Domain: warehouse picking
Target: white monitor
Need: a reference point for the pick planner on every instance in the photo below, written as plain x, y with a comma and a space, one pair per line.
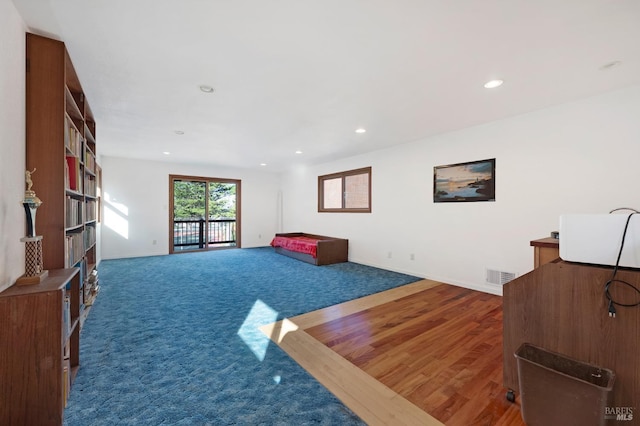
596, 239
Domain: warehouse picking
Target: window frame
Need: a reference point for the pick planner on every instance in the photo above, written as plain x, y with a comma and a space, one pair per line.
343, 176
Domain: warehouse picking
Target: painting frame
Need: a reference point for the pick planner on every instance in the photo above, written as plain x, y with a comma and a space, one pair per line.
465, 182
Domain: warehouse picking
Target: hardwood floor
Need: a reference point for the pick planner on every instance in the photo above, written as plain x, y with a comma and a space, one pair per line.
426, 353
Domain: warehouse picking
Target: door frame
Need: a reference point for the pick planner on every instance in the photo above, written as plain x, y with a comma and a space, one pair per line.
237, 182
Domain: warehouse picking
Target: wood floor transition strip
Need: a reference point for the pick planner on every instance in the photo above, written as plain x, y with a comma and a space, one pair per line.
331, 313
373, 402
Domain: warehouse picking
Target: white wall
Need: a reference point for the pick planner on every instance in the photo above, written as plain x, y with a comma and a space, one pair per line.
12, 143
577, 157
136, 197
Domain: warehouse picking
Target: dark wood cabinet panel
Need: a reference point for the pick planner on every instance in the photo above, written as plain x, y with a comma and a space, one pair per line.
37, 344
562, 307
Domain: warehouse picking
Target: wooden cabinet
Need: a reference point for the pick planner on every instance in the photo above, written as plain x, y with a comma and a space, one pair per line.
61, 148
545, 250
562, 307
39, 350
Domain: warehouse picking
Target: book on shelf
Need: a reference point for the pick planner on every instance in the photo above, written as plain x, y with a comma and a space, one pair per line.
93, 285
94, 293
90, 185
72, 138
90, 210
89, 160
82, 273
93, 276
87, 292
74, 212
92, 282
66, 316
90, 236
74, 248
74, 181
66, 376
67, 133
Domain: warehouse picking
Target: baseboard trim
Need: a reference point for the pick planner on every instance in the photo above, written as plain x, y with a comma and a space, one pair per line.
483, 287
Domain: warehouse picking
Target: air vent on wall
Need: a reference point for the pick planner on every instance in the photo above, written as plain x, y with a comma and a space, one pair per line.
499, 277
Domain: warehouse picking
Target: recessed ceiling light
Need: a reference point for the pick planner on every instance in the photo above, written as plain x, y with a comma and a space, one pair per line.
493, 84
178, 132
166, 152
298, 152
361, 130
263, 164
206, 89
610, 65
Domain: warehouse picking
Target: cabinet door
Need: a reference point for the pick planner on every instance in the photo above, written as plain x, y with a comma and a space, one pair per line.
31, 366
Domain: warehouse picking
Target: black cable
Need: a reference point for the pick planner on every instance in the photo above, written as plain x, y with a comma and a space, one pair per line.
612, 303
624, 208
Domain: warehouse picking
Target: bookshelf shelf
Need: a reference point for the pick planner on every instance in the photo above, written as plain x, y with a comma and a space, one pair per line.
74, 228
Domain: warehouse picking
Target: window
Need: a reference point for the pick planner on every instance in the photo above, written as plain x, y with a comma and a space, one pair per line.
345, 191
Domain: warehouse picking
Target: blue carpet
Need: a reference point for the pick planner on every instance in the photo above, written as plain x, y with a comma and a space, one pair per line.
173, 340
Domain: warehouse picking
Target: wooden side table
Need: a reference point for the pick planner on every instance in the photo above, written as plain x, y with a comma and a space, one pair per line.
545, 250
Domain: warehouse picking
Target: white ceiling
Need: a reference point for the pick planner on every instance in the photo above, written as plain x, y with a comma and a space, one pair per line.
303, 75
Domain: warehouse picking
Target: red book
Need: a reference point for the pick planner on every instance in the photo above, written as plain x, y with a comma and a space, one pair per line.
73, 164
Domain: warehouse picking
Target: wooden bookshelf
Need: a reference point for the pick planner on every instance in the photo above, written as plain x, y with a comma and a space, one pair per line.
61, 147
39, 354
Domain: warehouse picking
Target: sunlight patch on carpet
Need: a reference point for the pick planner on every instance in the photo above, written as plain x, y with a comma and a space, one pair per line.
249, 332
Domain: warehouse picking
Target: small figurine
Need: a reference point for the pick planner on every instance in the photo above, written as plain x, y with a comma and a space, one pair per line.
27, 175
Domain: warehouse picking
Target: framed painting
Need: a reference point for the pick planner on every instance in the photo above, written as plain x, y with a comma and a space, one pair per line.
463, 182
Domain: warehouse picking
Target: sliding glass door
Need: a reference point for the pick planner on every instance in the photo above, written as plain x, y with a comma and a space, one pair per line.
205, 213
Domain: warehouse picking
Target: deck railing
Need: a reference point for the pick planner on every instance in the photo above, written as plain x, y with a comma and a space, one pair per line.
190, 233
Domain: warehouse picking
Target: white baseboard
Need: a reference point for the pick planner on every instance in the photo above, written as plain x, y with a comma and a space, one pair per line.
483, 287
133, 255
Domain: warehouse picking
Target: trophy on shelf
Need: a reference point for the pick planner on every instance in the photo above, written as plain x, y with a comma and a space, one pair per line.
34, 272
